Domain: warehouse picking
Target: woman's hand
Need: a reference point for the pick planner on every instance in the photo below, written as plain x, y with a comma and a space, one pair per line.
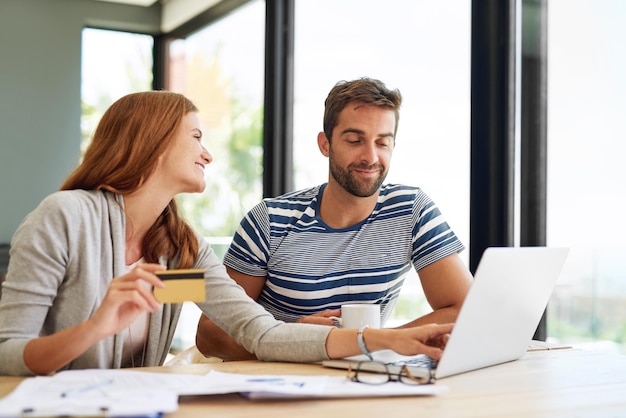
127, 297
427, 339
321, 318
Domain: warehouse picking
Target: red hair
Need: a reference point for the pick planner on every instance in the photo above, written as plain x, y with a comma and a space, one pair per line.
131, 136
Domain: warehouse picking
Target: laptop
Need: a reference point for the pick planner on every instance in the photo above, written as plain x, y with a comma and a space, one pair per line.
499, 316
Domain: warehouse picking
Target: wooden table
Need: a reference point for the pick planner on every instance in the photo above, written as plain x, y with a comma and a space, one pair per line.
551, 383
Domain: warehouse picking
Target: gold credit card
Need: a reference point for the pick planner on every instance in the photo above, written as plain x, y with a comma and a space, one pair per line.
183, 285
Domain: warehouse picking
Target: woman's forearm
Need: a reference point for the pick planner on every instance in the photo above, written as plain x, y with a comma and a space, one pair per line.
45, 355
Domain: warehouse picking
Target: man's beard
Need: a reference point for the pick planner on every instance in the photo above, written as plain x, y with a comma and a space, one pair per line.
350, 183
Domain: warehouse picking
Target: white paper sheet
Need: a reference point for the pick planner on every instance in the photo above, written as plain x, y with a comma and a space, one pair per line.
120, 392
276, 387
93, 393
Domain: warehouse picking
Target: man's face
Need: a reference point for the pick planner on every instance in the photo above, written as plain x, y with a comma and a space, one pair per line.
361, 148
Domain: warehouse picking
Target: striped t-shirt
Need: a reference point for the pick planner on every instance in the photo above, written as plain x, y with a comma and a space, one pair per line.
309, 266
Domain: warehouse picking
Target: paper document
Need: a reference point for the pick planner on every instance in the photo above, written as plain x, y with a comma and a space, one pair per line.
92, 393
291, 386
138, 393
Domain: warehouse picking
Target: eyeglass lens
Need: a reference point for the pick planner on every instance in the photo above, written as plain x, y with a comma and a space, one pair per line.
376, 373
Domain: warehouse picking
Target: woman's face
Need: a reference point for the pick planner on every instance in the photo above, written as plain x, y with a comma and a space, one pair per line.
183, 163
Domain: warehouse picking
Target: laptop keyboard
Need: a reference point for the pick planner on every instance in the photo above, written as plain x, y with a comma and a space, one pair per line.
418, 361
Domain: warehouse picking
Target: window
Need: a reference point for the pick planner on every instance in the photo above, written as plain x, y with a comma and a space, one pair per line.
220, 68
113, 64
586, 173
423, 49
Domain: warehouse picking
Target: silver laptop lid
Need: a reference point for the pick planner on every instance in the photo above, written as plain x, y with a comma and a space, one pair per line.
510, 291
500, 314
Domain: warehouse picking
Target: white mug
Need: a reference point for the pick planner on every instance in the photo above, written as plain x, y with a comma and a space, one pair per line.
356, 315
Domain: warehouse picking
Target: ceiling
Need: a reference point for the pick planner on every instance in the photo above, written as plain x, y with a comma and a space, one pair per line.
174, 12
134, 2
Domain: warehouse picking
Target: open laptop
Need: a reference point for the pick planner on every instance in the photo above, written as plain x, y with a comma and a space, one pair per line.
502, 309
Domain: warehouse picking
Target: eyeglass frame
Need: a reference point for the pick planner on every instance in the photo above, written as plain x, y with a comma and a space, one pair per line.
402, 376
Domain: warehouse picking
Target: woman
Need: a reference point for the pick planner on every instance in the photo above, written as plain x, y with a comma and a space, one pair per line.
78, 288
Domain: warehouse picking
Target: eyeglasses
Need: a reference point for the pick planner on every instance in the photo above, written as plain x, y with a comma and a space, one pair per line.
377, 373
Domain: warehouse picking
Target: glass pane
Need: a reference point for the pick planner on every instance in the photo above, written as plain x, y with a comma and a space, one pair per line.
421, 47
113, 64
586, 172
221, 69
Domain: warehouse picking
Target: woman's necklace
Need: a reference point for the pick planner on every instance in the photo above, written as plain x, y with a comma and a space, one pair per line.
132, 354
144, 325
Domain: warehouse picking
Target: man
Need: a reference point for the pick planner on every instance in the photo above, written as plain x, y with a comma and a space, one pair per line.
304, 254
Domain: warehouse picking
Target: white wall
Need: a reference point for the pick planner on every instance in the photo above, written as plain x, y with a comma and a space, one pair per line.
40, 105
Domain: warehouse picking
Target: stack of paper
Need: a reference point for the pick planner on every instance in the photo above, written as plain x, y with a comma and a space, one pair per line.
91, 393
136, 393
290, 386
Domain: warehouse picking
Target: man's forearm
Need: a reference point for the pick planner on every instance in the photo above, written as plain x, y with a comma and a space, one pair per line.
439, 316
212, 341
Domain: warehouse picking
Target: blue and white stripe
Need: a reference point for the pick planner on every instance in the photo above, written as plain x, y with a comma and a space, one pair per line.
310, 266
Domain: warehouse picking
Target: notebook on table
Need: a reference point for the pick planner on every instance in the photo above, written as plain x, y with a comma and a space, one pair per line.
499, 316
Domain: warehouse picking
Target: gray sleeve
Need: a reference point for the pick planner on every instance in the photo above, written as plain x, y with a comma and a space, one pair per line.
249, 324
36, 270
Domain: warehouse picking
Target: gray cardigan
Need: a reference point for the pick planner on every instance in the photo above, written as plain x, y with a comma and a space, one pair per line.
63, 257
